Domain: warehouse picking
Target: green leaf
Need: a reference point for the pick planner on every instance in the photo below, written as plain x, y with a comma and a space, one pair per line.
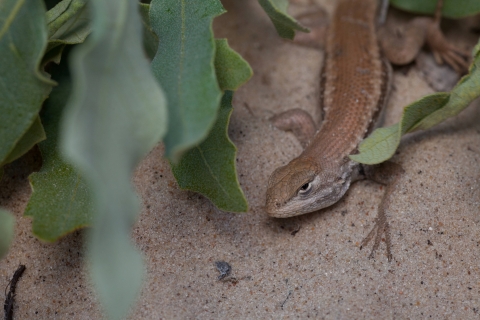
383, 142
451, 8
34, 135
210, 167
150, 39
53, 55
285, 25
68, 23
60, 201
184, 67
23, 37
422, 114
116, 114
7, 224
231, 69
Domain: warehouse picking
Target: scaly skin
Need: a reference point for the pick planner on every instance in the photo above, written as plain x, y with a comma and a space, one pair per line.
356, 86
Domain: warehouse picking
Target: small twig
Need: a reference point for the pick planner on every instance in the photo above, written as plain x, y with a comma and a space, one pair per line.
10, 297
288, 296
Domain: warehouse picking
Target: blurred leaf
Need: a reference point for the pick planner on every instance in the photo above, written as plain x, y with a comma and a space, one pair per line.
60, 201
150, 39
34, 135
68, 23
51, 3
210, 167
231, 69
451, 8
116, 114
53, 55
421, 115
23, 37
184, 67
277, 11
7, 224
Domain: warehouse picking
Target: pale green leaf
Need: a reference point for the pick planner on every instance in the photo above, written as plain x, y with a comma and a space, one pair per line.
422, 114
7, 224
231, 69
60, 201
209, 168
115, 115
451, 8
184, 67
277, 11
23, 37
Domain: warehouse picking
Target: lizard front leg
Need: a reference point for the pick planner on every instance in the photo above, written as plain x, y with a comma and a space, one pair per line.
388, 174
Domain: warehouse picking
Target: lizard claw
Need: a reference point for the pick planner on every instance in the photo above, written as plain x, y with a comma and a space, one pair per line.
444, 51
387, 174
380, 228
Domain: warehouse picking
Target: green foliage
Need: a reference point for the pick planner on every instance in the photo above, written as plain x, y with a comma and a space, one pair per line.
451, 8
7, 223
115, 115
34, 135
23, 38
60, 201
209, 168
231, 69
183, 66
277, 11
150, 39
422, 114
111, 111
68, 23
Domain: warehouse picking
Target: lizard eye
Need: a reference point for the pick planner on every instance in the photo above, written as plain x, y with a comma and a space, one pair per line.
305, 189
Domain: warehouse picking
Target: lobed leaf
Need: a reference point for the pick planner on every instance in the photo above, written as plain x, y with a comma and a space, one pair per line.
184, 67
209, 168
23, 88
231, 69
115, 114
451, 8
7, 224
277, 12
421, 115
60, 201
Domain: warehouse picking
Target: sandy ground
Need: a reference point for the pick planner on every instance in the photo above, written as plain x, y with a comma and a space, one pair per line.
303, 267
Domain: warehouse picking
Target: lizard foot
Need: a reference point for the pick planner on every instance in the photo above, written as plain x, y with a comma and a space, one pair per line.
443, 51
380, 228
388, 174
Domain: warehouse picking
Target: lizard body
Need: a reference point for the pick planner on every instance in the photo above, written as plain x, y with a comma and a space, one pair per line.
356, 85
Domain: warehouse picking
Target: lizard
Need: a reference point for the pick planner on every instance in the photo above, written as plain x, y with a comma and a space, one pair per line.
355, 85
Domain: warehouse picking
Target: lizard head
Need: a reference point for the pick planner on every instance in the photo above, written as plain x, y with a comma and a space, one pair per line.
302, 186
